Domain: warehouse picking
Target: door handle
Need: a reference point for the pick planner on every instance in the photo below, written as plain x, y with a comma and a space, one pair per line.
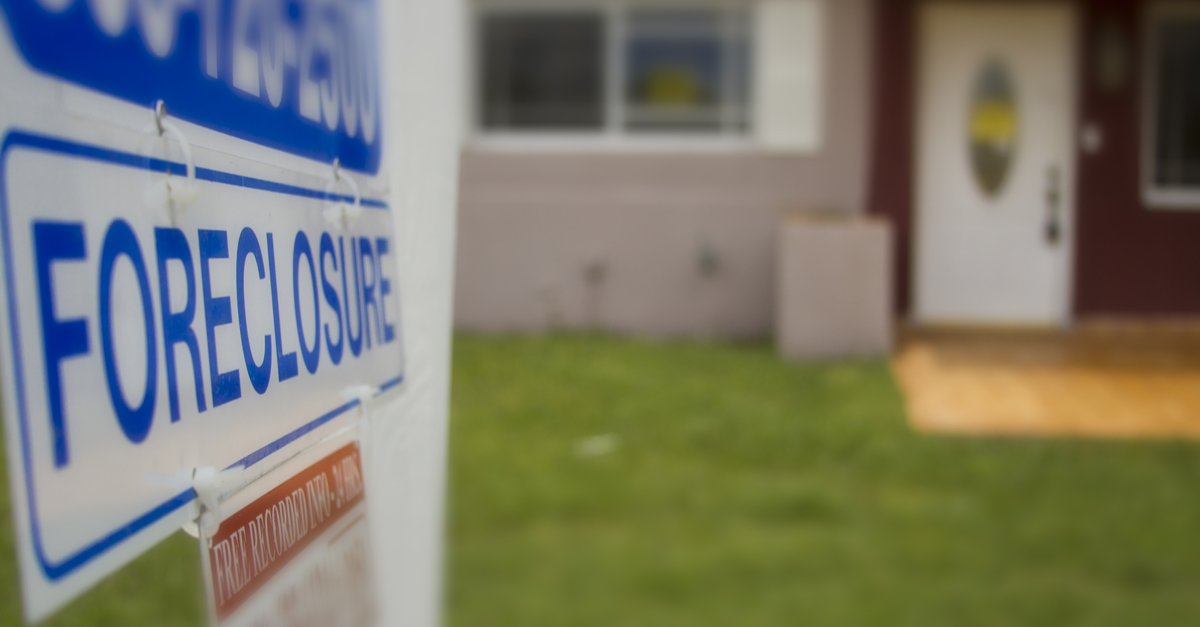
1053, 229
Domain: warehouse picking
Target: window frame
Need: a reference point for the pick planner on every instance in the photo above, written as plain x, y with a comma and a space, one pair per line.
612, 136
1156, 196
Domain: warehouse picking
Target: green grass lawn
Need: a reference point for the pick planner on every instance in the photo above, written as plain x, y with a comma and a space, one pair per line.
746, 491
751, 492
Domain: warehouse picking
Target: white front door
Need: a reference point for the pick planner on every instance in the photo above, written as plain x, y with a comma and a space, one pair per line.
995, 165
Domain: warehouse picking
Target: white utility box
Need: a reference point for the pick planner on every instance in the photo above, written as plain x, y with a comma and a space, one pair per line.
834, 286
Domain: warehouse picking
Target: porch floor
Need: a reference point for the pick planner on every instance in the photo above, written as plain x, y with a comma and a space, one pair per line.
1098, 381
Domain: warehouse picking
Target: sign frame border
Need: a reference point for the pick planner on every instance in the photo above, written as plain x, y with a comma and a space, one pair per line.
30, 140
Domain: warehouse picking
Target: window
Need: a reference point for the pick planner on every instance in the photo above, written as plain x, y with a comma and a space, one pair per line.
543, 70
685, 70
1173, 135
621, 71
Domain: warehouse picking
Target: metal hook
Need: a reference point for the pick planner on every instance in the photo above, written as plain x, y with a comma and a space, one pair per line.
165, 195
160, 113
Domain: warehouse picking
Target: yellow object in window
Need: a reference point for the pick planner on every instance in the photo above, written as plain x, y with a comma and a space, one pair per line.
671, 85
994, 122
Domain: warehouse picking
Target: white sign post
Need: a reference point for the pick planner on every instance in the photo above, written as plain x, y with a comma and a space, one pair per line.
183, 286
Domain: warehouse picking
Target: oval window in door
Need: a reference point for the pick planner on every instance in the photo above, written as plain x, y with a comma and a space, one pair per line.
992, 127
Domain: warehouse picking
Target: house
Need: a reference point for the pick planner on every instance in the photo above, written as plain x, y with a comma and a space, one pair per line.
627, 163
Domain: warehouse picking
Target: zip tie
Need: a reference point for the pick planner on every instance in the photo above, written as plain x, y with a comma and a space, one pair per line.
211, 488
165, 195
362, 393
339, 215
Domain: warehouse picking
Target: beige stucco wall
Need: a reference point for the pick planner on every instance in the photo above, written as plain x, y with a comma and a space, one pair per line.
663, 244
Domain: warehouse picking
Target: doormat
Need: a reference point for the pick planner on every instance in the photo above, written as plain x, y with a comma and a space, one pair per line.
1104, 381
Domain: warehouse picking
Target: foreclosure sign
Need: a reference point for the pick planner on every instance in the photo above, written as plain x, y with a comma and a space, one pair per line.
183, 291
